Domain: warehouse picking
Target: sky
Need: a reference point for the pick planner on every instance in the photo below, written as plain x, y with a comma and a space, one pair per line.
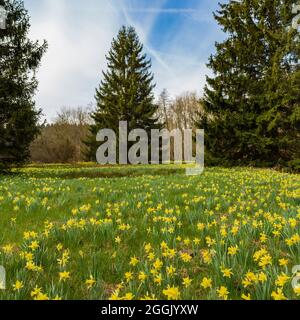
178, 36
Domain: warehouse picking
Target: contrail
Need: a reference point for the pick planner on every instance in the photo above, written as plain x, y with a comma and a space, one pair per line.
148, 48
161, 10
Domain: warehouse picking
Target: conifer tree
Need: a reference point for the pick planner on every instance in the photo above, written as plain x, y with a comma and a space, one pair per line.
252, 103
126, 91
19, 60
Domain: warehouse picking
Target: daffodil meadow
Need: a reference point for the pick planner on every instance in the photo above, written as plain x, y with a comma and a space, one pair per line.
90, 232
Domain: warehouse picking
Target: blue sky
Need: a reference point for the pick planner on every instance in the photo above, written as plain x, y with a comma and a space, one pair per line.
178, 35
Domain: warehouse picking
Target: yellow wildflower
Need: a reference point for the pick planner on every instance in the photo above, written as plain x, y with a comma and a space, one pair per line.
206, 283
223, 293
90, 282
18, 285
63, 276
187, 282
172, 293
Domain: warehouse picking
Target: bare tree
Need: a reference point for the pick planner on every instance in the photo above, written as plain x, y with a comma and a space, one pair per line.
62, 141
184, 110
80, 116
164, 103
179, 113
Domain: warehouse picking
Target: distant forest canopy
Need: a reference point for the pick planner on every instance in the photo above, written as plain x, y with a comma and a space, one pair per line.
62, 140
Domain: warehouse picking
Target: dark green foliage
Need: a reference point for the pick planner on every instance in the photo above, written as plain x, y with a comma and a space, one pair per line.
252, 104
126, 91
19, 59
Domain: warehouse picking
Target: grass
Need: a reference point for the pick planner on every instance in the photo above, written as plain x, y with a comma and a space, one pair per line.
92, 232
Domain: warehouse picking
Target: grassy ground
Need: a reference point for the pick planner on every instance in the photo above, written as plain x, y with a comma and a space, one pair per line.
90, 232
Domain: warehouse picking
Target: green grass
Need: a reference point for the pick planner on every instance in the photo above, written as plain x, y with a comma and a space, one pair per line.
85, 207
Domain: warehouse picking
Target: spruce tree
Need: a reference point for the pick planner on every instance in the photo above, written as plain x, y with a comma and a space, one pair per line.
126, 91
251, 104
19, 60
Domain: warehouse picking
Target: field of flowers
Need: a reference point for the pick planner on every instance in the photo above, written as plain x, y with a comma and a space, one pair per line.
86, 232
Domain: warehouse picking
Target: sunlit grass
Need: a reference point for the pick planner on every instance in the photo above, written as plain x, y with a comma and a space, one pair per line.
92, 232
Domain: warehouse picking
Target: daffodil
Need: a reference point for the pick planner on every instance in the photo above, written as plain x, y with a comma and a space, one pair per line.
232, 251
36, 291
128, 276
171, 271
172, 293
34, 245
206, 283
185, 257
18, 285
278, 295
41, 296
223, 293
142, 276
282, 279
134, 261
158, 279
227, 273
90, 282
246, 297
187, 282
283, 262
63, 276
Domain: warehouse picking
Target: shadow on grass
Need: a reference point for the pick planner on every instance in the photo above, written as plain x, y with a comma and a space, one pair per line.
116, 174
93, 172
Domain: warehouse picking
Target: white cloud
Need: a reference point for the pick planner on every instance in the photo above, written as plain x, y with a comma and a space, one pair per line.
78, 43
79, 35
144, 32
187, 74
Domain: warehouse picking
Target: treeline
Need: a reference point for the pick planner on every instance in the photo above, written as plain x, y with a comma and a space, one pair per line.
250, 109
252, 103
63, 141
19, 61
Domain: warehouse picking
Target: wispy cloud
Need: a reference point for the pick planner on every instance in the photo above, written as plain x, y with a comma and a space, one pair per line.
176, 67
79, 34
145, 35
163, 10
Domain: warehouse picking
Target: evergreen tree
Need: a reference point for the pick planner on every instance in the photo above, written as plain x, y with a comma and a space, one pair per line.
19, 59
126, 91
251, 105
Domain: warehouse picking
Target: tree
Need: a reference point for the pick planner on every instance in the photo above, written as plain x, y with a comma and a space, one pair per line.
185, 109
126, 91
163, 111
75, 116
180, 112
62, 141
19, 60
251, 105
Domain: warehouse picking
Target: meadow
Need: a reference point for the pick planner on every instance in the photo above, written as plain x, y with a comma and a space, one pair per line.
122, 233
